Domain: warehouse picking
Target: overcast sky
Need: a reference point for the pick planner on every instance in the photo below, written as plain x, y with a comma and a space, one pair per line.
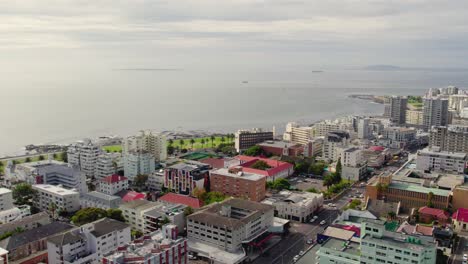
232, 33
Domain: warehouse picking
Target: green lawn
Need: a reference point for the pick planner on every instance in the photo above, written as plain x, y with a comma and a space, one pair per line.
198, 144
113, 148
416, 104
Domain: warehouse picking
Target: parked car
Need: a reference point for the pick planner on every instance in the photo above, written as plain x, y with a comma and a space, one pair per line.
323, 222
310, 241
301, 253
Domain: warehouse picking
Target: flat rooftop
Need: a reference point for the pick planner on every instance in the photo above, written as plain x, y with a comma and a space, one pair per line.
240, 175
4, 191
277, 144
54, 189
419, 189
351, 248
429, 152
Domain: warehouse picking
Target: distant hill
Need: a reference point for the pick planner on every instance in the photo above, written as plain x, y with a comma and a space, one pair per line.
383, 68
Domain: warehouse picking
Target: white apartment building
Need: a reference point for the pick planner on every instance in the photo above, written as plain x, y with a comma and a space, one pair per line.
155, 180
297, 134
14, 214
414, 117
314, 147
113, 184
441, 161
89, 243
398, 137
84, 154
161, 247
354, 166
136, 163
106, 165
333, 142
146, 141
363, 128
134, 211
6, 199
297, 206
154, 218
100, 200
228, 224
54, 173
452, 138
64, 199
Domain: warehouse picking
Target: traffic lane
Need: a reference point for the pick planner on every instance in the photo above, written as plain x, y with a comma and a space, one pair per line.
277, 254
460, 250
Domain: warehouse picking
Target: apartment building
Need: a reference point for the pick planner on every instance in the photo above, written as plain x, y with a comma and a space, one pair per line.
398, 137
354, 166
149, 142
14, 214
298, 134
235, 182
395, 109
162, 212
54, 173
245, 139
162, 247
64, 199
133, 212
452, 138
100, 200
224, 227
155, 180
333, 141
414, 117
107, 164
113, 184
136, 163
282, 148
314, 147
84, 154
6, 199
441, 161
297, 206
26, 223
31, 246
89, 243
183, 177
435, 112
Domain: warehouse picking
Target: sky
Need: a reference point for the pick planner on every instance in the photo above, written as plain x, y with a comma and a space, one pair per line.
237, 34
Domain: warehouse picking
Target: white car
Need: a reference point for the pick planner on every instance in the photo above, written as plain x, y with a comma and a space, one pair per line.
323, 222
465, 257
315, 217
301, 253
312, 220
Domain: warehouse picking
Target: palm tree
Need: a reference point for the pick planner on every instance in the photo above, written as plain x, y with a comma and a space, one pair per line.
181, 143
28, 159
212, 139
202, 141
232, 136
52, 208
192, 141
171, 141
328, 181
223, 139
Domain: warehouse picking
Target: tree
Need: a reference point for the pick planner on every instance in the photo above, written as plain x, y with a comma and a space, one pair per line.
188, 211
281, 184
181, 142
328, 181
253, 151
223, 139
14, 162
312, 190
54, 156
430, 197
165, 221
336, 177
170, 149
88, 215
260, 165
300, 167
232, 136
52, 208
115, 214
338, 167
23, 193
202, 141
192, 141
41, 157
317, 168
140, 180
136, 234
391, 215
212, 140
28, 159
64, 156
171, 141
198, 193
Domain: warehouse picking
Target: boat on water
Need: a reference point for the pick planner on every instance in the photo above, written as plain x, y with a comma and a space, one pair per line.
317, 71
245, 81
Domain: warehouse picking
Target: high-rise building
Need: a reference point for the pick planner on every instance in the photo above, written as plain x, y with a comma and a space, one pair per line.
297, 134
435, 112
451, 138
235, 182
136, 163
106, 165
363, 129
245, 139
146, 141
333, 141
414, 117
84, 154
395, 109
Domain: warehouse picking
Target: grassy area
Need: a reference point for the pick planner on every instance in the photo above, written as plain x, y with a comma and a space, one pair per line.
198, 142
113, 148
416, 104
58, 156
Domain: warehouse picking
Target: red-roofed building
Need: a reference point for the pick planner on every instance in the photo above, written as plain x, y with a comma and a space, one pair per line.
424, 230
174, 198
128, 196
428, 215
460, 220
278, 169
215, 163
113, 184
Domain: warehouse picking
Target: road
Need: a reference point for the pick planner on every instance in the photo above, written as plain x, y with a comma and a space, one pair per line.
459, 251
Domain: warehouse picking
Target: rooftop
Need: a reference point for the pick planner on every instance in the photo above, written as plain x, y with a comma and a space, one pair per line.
276, 166
102, 196
419, 189
298, 198
4, 191
246, 211
128, 195
461, 215
114, 178
106, 226
54, 189
441, 214
429, 152
138, 205
240, 174
39, 217
181, 199
340, 245
277, 144
338, 233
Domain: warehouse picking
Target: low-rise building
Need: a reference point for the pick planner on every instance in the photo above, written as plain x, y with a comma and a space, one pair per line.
441, 161
88, 243
185, 176
224, 227
336, 250
460, 220
237, 183
162, 214
282, 148
376, 156
31, 246
354, 167
334, 140
297, 206
14, 214
276, 169
398, 137
100, 200
162, 246
314, 147
155, 181
179, 199
26, 223
6, 199
113, 184
245, 139
428, 215
133, 212
56, 197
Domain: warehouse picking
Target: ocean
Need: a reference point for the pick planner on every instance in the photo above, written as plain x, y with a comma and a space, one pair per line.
48, 108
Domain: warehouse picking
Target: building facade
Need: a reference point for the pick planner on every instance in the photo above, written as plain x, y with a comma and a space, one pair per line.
239, 184
100, 200
113, 184
133, 212
441, 161
136, 163
297, 134
55, 198
333, 141
6, 199
297, 206
396, 109
452, 138
435, 112
245, 139
147, 141
84, 154
414, 117
184, 177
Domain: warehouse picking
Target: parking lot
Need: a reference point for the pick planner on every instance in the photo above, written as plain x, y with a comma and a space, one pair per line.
304, 183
